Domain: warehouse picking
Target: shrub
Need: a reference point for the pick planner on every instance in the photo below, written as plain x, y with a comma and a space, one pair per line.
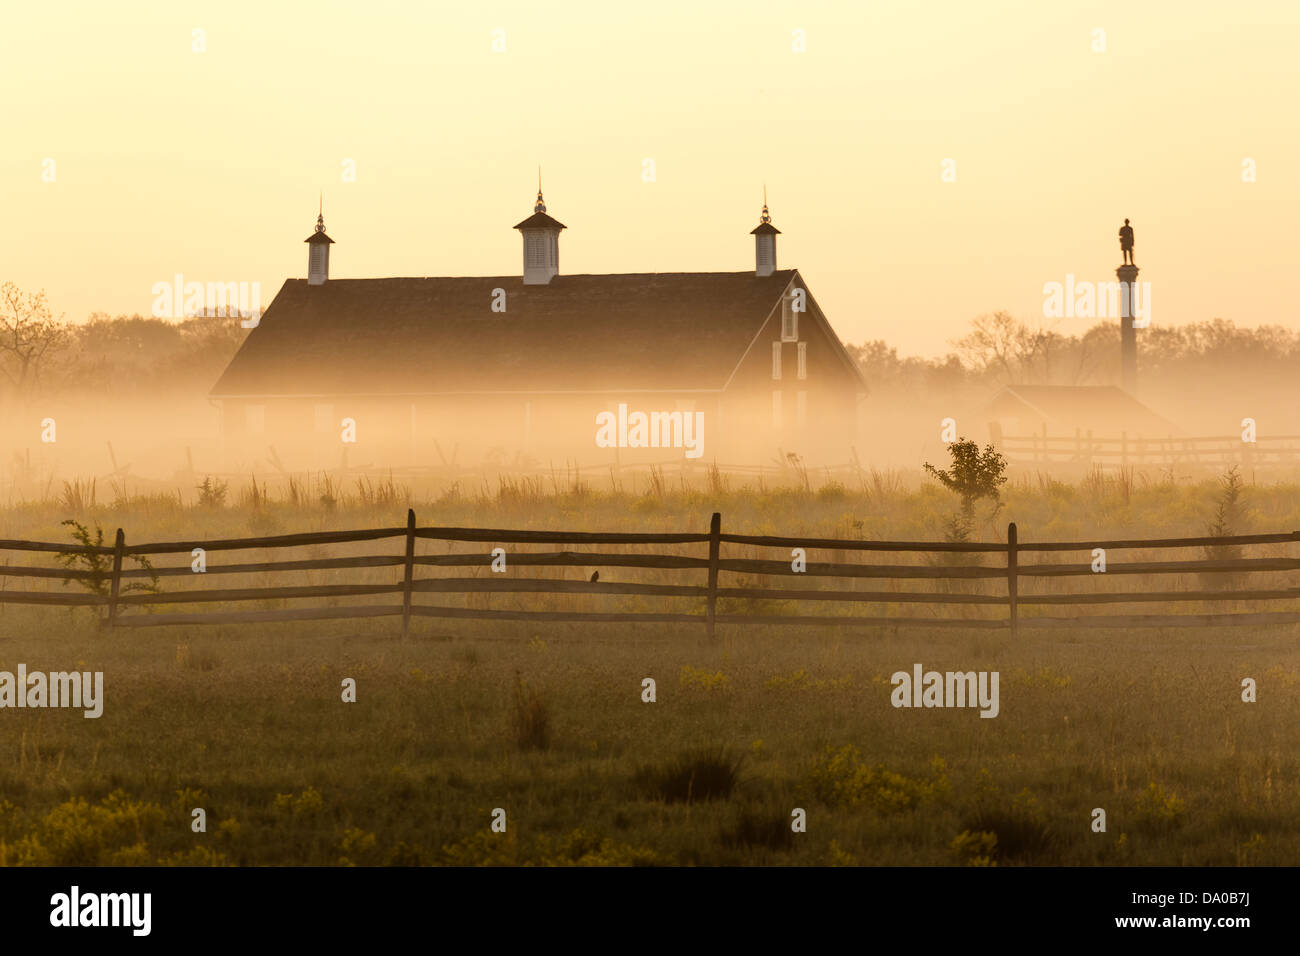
975, 474
975, 849
1156, 807
212, 493
531, 720
702, 680
96, 570
308, 803
697, 775
577, 848
832, 491
1018, 834
1228, 514
840, 778
1019, 828
758, 828
78, 833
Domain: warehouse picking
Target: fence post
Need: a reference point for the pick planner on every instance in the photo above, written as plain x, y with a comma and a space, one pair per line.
409, 574
715, 545
118, 544
1012, 561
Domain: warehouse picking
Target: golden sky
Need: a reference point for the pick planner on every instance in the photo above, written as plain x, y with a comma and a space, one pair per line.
209, 163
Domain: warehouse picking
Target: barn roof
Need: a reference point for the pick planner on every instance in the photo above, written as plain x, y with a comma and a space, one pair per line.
1104, 408
653, 331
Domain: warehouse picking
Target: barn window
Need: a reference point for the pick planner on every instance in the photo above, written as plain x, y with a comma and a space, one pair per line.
255, 418
801, 408
776, 409
789, 320
803, 359
776, 360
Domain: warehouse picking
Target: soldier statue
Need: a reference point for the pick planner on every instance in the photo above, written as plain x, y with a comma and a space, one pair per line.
1126, 243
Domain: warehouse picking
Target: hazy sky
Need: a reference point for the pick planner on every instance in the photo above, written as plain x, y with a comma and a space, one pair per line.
209, 163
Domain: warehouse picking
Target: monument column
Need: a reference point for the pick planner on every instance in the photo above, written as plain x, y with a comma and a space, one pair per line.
1128, 349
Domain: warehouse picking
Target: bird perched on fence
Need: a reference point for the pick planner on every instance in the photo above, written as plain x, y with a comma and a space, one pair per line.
595, 576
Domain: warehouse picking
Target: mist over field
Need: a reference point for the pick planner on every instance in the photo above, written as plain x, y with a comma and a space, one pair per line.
141, 386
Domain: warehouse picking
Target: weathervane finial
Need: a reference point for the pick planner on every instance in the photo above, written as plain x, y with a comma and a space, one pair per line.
766, 217
540, 206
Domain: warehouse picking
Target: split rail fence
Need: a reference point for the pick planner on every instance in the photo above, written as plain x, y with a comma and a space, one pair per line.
1022, 589
1126, 450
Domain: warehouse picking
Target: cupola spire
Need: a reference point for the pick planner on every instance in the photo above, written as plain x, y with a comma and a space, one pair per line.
765, 241
318, 252
541, 236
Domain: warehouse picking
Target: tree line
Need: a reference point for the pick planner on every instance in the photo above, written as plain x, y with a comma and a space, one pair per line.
43, 354
1000, 350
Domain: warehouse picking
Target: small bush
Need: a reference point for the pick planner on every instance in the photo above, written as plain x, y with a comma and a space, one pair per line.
305, 804
698, 775
531, 719
975, 849
1228, 515
78, 496
1018, 834
840, 778
756, 828
1157, 808
832, 491
577, 848
96, 569
974, 475
700, 679
802, 680
212, 493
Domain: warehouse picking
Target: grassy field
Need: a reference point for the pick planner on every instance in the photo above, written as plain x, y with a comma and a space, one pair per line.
547, 722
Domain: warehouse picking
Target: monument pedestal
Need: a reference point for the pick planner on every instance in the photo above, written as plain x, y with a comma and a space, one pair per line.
1127, 333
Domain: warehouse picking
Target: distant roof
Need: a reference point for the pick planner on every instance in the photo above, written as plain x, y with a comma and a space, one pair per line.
1098, 407
654, 331
318, 237
539, 220
765, 229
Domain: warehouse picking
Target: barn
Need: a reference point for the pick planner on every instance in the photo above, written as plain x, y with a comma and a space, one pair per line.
542, 366
1065, 410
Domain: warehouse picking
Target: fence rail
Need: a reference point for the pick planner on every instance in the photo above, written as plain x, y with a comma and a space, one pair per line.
1016, 586
1134, 450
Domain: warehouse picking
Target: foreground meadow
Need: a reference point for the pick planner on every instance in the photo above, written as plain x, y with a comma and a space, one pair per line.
548, 721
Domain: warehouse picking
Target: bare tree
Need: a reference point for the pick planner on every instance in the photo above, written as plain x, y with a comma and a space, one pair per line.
29, 334
997, 344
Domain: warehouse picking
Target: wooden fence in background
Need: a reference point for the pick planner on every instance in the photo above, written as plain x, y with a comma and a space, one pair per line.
1127, 450
947, 563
